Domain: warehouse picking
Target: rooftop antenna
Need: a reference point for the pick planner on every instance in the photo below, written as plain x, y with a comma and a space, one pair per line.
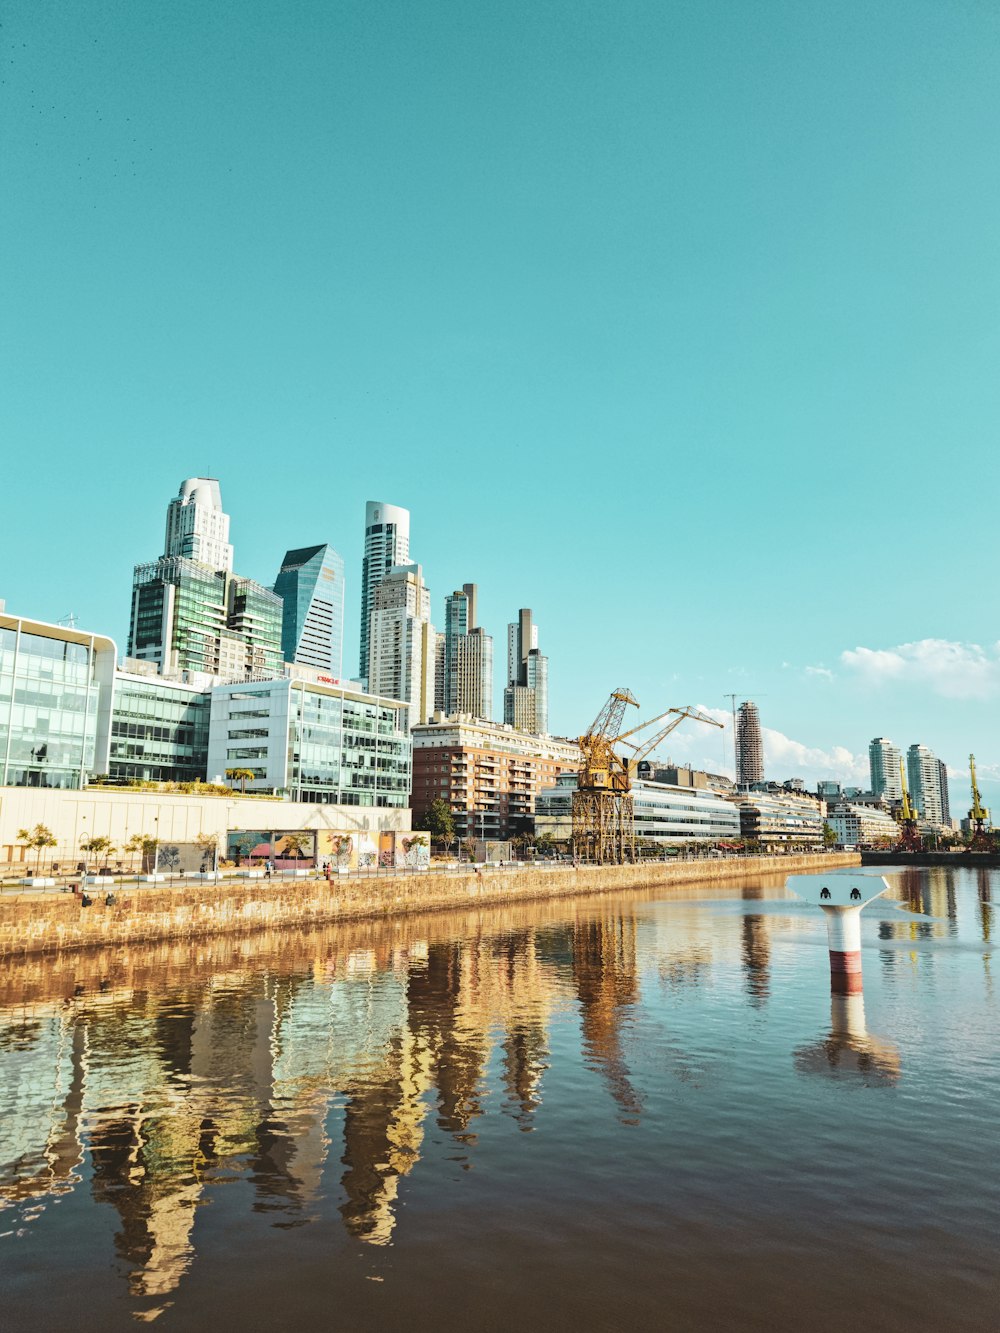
68, 621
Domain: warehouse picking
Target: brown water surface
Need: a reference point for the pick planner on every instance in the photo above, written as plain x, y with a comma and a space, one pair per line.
605, 1114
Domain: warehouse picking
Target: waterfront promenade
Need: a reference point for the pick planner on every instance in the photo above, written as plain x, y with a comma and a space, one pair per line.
35, 923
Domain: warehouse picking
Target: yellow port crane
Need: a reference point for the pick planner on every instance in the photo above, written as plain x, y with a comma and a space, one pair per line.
979, 816
910, 840
603, 808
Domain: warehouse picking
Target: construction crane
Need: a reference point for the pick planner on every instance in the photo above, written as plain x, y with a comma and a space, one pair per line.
603, 809
979, 816
910, 840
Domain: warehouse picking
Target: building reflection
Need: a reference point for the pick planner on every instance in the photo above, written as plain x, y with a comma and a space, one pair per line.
315, 1082
849, 1051
606, 981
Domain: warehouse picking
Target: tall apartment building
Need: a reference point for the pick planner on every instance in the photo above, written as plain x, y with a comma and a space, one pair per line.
526, 697
310, 584
197, 526
883, 763
190, 612
923, 776
387, 544
468, 657
944, 793
749, 746
489, 774
402, 642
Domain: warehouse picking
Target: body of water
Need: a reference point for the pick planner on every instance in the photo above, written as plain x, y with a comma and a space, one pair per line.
615, 1113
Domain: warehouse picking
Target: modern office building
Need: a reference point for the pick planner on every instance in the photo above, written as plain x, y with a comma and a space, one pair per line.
883, 764
749, 746
489, 774
858, 825
402, 642
190, 612
776, 822
159, 727
387, 543
526, 696
664, 812
314, 742
310, 584
187, 617
197, 527
56, 687
923, 776
468, 657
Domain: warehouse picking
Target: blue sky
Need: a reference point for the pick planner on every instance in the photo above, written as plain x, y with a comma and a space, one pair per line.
677, 322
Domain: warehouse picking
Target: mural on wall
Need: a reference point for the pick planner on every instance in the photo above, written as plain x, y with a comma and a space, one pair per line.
184, 858
490, 852
387, 849
248, 846
290, 849
367, 851
340, 850
295, 850
413, 851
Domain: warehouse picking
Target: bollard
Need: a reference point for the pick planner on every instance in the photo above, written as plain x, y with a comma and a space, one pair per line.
841, 898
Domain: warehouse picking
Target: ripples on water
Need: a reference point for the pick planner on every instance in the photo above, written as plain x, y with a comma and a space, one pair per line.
605, 1114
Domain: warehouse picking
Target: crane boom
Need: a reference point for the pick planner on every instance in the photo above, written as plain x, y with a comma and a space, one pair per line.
978, 814
603, 810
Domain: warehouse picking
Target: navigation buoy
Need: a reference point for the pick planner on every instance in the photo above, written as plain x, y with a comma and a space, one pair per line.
841, 898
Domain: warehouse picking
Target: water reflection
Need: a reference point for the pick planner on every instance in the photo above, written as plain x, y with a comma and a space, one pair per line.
316, 1071
849, 1050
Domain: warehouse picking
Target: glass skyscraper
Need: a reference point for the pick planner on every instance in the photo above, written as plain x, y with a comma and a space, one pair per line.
311, 586
190, 612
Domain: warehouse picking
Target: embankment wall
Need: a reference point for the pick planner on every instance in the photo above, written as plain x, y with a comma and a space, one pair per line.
37, 923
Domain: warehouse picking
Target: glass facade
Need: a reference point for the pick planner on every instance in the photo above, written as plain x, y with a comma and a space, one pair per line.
663, 813
159, 731
313, 743
50, 703
189, 617
348, 751
311, 586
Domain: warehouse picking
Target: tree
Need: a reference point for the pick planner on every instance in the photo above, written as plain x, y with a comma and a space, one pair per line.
829, 836
242, 776
100, 847
438, 821
209, 844
38, 839
144, 844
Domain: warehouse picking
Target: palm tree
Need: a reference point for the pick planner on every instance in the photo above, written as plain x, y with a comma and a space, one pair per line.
144, 844
242, 776
38, 838
100, 847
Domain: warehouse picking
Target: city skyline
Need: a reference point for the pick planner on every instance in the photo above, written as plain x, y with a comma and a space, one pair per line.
683, 287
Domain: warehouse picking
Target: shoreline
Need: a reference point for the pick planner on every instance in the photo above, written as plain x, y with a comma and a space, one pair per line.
52, 924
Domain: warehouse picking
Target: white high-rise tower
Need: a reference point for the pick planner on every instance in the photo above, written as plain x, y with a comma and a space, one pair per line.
387, 544
197, 528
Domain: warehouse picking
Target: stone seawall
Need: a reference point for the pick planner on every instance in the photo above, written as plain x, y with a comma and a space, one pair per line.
30, 924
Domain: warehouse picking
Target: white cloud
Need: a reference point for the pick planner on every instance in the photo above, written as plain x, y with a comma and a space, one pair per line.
783, 756
948, 668
825, 672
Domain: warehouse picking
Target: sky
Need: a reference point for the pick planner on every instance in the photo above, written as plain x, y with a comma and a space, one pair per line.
676, 322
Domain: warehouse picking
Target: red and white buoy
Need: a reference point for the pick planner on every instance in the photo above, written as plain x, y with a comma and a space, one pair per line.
841, 898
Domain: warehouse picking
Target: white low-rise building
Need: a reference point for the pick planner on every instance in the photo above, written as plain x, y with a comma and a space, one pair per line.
861, 825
